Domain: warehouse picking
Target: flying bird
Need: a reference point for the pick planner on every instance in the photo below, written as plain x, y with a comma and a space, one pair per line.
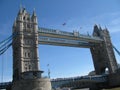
64, 24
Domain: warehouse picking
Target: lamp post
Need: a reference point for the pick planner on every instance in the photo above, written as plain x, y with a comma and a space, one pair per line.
48, 70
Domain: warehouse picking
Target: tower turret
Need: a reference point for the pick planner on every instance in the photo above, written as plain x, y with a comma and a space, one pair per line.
34, 17
96, 31
34, 21
20, 16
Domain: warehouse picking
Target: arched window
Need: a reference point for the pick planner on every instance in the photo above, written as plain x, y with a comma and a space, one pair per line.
28, 25
29, 67
106, 70
25, 54
28, 54
24, 18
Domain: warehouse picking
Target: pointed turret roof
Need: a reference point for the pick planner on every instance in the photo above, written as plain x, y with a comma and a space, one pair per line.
34, 13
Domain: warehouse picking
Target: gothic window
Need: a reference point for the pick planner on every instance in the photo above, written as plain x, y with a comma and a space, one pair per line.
29, 67
24, 18
25, 66
28, 25
25, 54
28, 54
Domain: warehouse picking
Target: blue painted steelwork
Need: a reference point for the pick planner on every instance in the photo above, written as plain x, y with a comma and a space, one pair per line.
5, 44
75, 34
62, 81
116, 50
64, 41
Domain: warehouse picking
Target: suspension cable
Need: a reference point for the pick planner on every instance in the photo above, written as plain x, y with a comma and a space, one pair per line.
4, 43
4, 49
116, 50
6, 39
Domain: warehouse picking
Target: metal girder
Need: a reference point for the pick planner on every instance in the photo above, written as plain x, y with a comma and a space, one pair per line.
45, 32
79, 80
63, 42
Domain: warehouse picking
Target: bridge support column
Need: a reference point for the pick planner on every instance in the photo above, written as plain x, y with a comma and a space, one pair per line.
32, 84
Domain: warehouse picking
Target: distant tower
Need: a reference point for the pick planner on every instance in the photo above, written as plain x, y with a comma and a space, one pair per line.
25, 53
103, 54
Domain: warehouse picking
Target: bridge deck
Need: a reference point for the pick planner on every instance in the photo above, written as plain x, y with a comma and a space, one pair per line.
56, 37
64, 42
84, 79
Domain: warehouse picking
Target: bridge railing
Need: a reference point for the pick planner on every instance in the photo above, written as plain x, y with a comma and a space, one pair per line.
65, 41
65, 81
96, 78
74, 33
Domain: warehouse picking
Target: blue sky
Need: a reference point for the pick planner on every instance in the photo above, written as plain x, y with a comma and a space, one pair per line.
80, 15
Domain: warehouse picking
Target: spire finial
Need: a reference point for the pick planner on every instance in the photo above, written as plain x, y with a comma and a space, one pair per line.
95, 25
34, 13
21, 8
34, 9
100, 27
105, 27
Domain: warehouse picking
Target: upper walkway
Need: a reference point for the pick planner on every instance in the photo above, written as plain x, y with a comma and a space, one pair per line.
63, 38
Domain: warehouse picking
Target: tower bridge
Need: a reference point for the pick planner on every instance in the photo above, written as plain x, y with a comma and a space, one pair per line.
26, 72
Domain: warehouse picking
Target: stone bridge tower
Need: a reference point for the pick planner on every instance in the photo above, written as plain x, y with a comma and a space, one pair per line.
26, 73
25, 47
103, 54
